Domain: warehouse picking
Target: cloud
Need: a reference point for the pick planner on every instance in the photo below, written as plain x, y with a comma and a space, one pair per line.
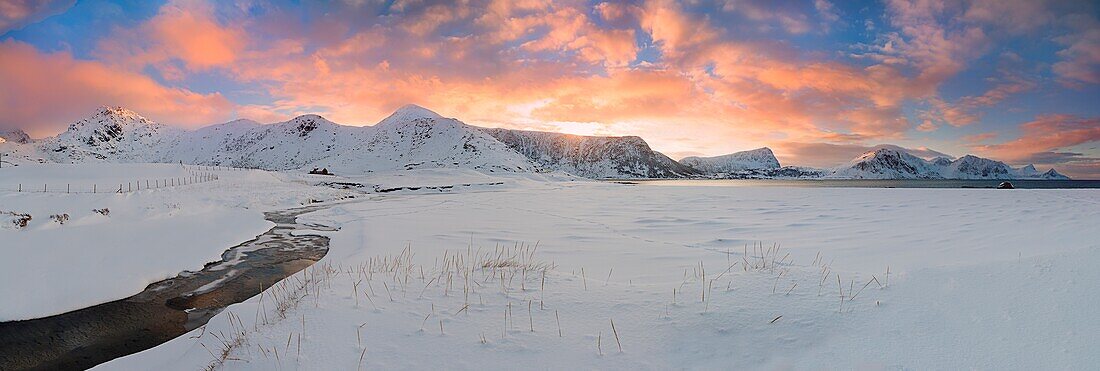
75, 87
967, 110
978, 138
1045, 134
1056, 158
1081, 59
791, 20
826, 11
185, 35
14, 14
1014, 16
647, 67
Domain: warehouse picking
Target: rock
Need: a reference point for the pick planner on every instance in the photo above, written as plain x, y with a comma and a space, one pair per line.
1005, 185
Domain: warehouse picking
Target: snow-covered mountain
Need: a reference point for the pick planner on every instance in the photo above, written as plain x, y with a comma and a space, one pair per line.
417, 138
592, 156
891, 163
760, 158
211, 144
111, 134
14, 136
286, 145
414, 138
1051, 175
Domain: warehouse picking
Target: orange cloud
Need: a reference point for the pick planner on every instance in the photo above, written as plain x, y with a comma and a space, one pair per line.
574, 66
1045, 134
76, 87
571, 30
184, 31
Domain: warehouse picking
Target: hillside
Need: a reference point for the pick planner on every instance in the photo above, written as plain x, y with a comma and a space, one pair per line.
592, 156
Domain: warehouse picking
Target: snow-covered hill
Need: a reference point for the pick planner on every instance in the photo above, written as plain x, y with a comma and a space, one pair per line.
211, 144
416, 138
760, 158
112, 134
287, 145
592, 156
14, 136
892, 163
13, 153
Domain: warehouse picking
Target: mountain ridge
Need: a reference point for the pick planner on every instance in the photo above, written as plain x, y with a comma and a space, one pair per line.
891, 163
414, 137
760, 158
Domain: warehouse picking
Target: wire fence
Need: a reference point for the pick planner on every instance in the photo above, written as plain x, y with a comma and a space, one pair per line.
196, 174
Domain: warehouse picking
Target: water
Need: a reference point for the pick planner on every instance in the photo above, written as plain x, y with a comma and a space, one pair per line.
870, 183
164, 310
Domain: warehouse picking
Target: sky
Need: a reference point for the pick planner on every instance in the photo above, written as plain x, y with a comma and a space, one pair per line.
818, 81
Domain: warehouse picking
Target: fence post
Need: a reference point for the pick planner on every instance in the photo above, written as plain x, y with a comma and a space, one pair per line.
66, 188
43, 187
93, 188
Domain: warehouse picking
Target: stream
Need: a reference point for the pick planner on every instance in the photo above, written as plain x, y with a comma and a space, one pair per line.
166, 309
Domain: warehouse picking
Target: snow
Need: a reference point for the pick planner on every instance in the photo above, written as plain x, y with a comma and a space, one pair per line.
112, 133
401, 143
414, 137
760, 158
411, 138
889, 162
591, 156
472, 248
148, 235
987, 279
15, 136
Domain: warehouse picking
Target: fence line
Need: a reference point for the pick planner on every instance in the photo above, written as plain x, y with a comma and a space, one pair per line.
128, 187
197, 174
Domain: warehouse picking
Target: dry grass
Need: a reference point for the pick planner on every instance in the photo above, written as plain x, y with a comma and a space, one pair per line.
515, 274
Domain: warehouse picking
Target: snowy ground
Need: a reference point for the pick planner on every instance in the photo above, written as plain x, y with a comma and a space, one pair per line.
532, 274
48, 268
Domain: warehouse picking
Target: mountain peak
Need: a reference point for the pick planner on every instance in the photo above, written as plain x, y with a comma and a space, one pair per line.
243, 122
14, 136
1053, 175
760, 158
111, 119
116, 111
410, 112
880, 152
308, 117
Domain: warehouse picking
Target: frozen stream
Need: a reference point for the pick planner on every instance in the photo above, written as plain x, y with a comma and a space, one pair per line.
164, 310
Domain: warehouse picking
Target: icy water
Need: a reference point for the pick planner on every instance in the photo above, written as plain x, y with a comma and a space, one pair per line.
164, 310
872, 183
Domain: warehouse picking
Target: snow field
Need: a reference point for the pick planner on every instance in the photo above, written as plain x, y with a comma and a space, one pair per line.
146, 236
978, 279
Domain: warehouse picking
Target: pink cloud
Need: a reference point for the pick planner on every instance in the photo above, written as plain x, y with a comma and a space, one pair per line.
569, 66
43, 92
183, 31
978, 138
1081, 59
1046, 133
14, 14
